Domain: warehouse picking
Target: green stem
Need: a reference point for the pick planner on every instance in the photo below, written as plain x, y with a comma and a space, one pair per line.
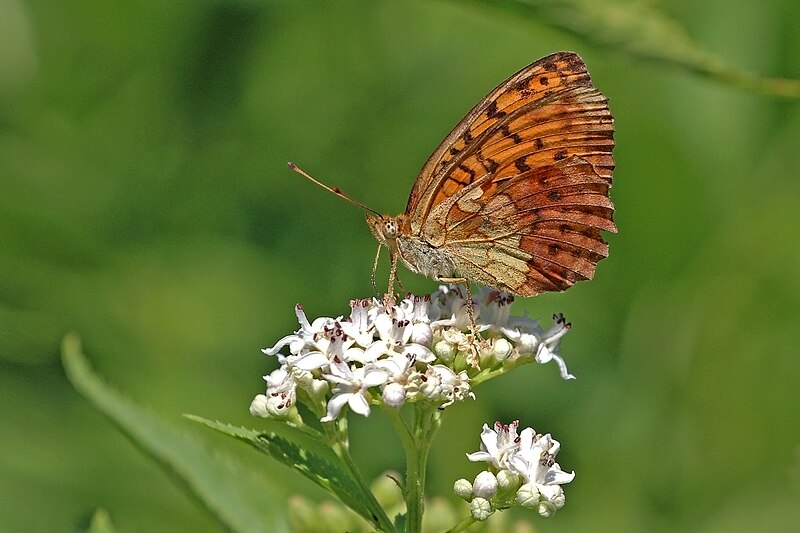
417, 442
337, 437
485, 375
461, 526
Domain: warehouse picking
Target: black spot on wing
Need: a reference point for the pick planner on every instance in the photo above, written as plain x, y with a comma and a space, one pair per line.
492, 112
521, 165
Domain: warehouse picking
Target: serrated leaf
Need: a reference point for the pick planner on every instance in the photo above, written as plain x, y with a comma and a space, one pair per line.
319, 469
641, 30
240, 499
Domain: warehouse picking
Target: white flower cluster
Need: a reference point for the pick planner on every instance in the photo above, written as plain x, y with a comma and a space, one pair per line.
417, 350
523, 469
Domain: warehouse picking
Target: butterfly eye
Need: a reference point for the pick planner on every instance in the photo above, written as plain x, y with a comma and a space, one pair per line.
390, 228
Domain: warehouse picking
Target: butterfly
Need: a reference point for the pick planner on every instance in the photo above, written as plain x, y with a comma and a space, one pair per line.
517, 195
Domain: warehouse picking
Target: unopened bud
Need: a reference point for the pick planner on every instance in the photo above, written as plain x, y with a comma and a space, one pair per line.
480, 508
501, 349
528, 495
546, 509
485, 485
507, 480
444, 351
463, 489
394, 394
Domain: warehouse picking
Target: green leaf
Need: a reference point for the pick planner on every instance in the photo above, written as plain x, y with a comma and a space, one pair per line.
641, 30
400, 522
322, 470
239, 498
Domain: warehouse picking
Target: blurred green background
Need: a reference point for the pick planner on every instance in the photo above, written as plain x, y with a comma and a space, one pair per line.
145, 203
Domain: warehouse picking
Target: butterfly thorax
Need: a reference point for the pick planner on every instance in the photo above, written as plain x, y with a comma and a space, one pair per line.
417, 254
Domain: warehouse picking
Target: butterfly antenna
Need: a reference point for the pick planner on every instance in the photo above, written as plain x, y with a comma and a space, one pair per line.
334, 190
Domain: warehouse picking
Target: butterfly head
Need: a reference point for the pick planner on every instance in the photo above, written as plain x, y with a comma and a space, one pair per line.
386, 229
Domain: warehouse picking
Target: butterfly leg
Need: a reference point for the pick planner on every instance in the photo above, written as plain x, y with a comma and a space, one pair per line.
375, 270
400, 284
476, 341
388, 298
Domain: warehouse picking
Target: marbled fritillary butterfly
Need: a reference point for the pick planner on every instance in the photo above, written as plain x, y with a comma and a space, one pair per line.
516, 196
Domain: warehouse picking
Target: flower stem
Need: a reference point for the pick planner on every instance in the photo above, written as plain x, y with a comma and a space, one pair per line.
417, 441
485, 375
461, 526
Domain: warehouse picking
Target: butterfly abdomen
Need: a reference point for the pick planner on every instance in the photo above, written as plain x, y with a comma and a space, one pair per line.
424, 258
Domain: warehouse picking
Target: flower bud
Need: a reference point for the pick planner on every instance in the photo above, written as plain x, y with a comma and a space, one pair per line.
559, 499
463, 489
317, 389
507, 480
480, 508
546, 509
394, 394
528, 495
444, 351
485, 485
501, 349
278, 406
258, 407
421, 334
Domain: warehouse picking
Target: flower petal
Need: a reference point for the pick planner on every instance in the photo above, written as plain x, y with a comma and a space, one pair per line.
358, 404
280, 344
311, 361
335, 405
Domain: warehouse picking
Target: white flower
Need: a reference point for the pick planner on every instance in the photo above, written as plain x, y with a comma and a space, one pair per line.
397, 347
302, 337
531, 339
517, 457
535, 461
442, 383
398, 365
395, 335
351, 388
359, 325
546, 509
456, 339
280, 380
497, 445
546, 351
416, 309
522, 323
494, 308
399, 368
452, 309
545, 355
332, 345
280, 397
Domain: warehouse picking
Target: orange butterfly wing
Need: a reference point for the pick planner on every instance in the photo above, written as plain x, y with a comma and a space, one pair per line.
517, 193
